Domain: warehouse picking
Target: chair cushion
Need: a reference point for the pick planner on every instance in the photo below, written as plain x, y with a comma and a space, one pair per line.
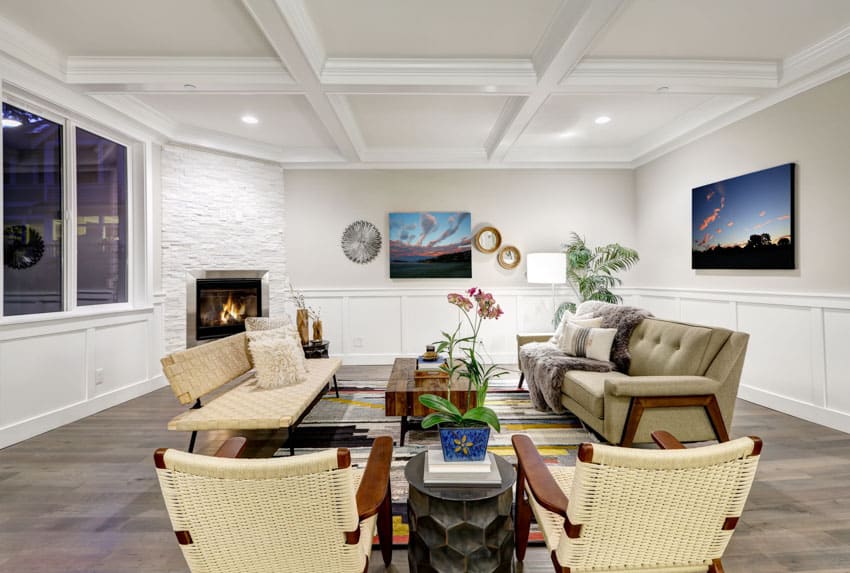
588, 389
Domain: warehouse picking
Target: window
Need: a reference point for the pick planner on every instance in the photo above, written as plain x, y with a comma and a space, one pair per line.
32, 213
101, 220
54, 171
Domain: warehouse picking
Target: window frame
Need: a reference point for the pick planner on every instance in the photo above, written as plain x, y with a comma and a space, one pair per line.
70, 122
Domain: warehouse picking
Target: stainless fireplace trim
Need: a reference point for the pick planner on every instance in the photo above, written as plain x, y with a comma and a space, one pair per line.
191, 300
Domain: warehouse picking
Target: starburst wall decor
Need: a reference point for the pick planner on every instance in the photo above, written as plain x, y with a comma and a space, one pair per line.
361, 242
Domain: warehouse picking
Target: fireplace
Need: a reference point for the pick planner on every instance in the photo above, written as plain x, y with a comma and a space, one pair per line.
218, 302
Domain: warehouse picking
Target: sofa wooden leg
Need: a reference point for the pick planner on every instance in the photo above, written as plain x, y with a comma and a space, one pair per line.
636, 408
712, 410
638, 405
521, 378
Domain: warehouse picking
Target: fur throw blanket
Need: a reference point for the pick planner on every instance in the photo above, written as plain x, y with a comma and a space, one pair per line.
544, 364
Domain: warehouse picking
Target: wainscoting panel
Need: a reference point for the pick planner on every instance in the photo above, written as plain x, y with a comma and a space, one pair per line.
375, 325
709, 312
421, 313
120, 352
779, 357
836, 325
41, 374
661, 306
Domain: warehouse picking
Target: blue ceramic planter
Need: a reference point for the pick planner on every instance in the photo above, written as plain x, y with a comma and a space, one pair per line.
464, 444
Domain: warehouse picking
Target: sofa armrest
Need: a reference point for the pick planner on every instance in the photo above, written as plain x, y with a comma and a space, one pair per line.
661, 386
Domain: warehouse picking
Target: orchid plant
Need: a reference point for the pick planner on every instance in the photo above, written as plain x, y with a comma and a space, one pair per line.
464, 361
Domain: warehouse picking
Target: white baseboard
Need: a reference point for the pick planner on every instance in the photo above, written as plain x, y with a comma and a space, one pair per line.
816, 414
42, 423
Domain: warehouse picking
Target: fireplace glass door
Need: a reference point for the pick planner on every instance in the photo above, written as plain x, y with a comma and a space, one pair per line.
224, 304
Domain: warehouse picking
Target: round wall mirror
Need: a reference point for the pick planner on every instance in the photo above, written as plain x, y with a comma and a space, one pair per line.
488, 239
509, 257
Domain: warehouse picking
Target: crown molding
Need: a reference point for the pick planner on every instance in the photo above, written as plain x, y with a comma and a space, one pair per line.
28, 48
298, 18
429, 71
675, 74
824, 53
536, 156
135, 108
205, 73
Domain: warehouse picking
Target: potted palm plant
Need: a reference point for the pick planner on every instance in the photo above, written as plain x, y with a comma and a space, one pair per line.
591, 273
464, 436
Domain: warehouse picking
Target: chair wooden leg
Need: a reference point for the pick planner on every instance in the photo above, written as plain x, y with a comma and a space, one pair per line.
712, 410
521, 378
715, 567
522, 523
385, 527
558, 567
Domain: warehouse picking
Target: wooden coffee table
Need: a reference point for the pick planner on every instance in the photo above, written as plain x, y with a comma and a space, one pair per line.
404, 389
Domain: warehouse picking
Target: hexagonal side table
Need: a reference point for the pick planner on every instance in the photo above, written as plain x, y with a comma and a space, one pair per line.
459, 528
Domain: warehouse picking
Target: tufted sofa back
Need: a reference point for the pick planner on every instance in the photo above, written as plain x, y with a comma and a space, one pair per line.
663, 347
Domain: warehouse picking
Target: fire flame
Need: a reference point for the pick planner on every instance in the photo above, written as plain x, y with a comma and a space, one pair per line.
231, 312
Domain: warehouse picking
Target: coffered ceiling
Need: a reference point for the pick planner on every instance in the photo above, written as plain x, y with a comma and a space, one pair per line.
436, 83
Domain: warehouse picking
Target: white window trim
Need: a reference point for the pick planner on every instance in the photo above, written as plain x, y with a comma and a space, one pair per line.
136, 256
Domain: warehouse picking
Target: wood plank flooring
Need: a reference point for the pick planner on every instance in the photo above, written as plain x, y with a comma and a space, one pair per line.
84, 497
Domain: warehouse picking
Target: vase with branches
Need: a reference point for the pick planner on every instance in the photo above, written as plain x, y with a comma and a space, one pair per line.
592, 272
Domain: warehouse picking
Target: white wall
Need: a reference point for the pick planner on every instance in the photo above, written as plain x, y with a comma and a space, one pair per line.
799, 320
218, 213
370, 318
58, 368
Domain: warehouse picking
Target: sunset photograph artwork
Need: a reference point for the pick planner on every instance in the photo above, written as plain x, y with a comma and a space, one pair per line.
745, 222
430, 244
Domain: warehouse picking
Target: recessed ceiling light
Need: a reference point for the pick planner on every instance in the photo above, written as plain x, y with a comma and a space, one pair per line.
250, 119
11, 122
490, 89
602, 120
662, 89
567, 134
189, 86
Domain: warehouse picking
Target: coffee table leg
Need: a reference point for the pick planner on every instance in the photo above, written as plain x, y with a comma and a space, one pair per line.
403, 430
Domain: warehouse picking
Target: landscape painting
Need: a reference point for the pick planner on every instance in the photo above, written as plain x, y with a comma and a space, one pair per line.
746, 222
430, 245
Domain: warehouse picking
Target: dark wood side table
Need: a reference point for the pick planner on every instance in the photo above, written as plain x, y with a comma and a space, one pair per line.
456, 529
404, 389
319, 349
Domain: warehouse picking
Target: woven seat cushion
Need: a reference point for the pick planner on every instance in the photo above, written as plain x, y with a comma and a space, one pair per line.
588, 388
247, 407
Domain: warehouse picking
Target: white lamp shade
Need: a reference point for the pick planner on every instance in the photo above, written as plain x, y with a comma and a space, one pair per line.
547, 268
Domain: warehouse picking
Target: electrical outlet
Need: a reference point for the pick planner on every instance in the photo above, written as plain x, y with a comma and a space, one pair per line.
98, 377
358, 342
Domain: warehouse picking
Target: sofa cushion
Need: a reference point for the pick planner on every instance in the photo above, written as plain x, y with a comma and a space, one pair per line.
588, 388
659, 347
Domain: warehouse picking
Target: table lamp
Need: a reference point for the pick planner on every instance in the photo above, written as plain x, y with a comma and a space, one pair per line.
547, 268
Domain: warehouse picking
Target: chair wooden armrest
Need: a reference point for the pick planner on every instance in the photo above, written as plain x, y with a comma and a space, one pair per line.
543, 486
232, 448
376, 478
666, 440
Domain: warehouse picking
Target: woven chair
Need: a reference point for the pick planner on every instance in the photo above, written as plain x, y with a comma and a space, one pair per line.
622, 509
305, 513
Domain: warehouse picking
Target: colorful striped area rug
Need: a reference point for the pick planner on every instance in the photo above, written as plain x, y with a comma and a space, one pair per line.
355, 418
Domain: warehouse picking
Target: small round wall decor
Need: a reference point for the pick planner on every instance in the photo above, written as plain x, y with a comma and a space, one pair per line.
23, 246
361, 242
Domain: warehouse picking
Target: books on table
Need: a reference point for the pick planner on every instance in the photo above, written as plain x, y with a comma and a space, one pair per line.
430, 365
440, 472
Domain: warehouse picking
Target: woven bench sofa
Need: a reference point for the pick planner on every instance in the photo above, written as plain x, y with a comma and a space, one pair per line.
682, 378
196, 372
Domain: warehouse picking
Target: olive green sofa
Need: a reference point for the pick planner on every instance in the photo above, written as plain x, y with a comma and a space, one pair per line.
683, 378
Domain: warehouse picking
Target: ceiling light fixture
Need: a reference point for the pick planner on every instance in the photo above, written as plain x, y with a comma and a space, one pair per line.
602, 120
189, 86
250, 119
11, 122
567, 134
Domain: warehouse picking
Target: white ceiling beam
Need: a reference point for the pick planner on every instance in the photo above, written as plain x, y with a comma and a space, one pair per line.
298, 18
271, 21
827, 52
120, 74
28, 48
483, 72
706, 76
569, 36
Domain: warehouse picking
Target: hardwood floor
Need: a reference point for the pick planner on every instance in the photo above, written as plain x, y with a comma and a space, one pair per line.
84, 497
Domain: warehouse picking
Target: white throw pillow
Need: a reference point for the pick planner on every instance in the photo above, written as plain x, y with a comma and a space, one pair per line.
592, 343
279, 361
586, 320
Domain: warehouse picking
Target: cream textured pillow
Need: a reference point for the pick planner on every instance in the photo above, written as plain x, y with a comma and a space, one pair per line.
279, 361
254, 323
278, 357
592, 343
586, 320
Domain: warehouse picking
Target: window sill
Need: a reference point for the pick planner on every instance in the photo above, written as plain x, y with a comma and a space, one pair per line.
98, 311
